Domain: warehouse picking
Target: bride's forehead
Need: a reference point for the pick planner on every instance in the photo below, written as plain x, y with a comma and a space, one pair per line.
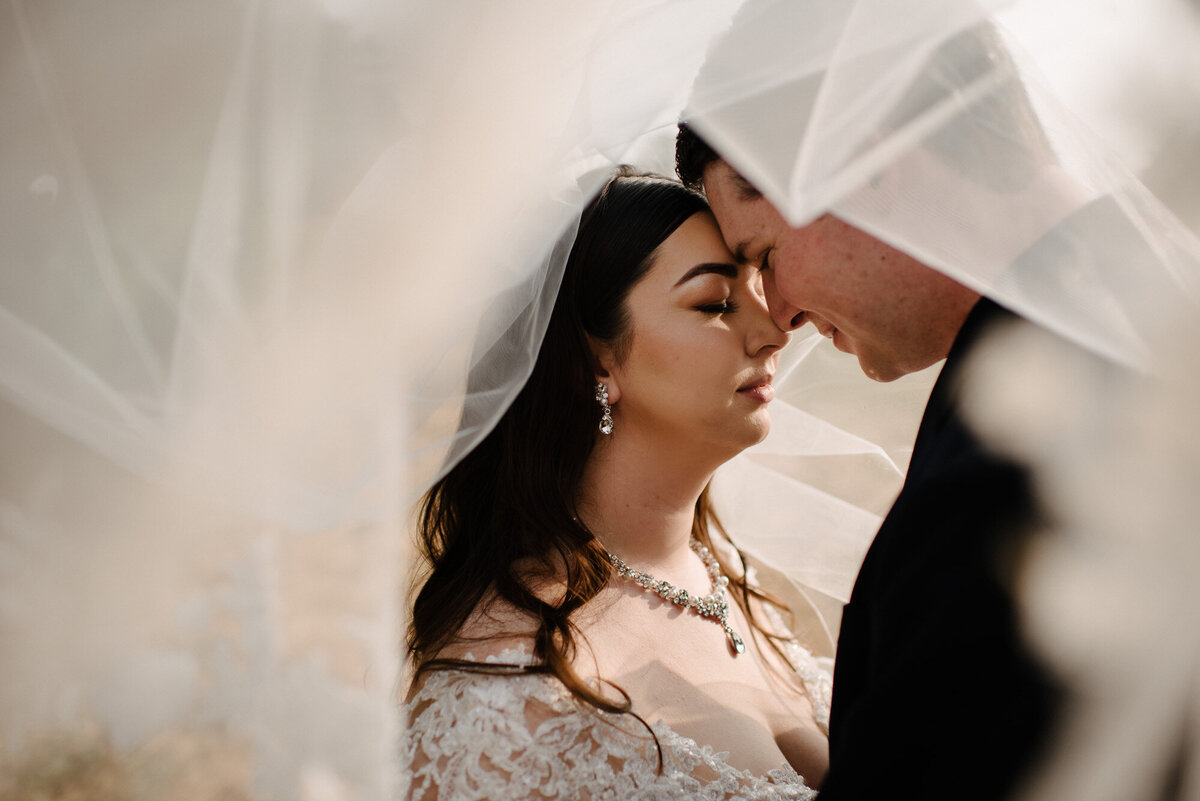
696, 240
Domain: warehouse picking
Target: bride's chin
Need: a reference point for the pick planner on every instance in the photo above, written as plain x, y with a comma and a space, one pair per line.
758, 426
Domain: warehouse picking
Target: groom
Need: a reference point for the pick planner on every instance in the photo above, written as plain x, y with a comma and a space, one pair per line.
935, 695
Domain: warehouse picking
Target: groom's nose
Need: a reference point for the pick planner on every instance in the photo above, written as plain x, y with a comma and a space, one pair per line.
785, 315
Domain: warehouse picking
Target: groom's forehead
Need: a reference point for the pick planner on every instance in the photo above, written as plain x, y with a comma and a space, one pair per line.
722, 171
741, 210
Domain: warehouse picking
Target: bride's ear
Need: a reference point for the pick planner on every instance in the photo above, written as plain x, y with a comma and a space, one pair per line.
604, 363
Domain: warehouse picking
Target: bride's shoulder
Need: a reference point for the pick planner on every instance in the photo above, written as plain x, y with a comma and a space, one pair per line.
498, 627
473, 726
481, 680
496, 637
494, 628
480, 713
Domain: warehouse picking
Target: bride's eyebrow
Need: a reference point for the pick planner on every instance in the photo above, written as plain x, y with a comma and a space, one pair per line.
719, 268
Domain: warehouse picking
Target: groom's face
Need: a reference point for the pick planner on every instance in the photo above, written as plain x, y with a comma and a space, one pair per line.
874, 301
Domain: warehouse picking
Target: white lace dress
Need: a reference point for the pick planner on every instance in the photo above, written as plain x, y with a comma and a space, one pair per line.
481, 736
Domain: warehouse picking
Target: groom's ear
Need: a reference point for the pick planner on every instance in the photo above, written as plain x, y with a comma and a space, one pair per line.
604, 367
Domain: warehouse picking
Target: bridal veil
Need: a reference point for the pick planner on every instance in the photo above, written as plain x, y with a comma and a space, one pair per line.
254, 249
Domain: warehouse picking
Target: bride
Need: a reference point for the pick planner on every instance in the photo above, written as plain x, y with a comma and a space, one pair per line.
574, 635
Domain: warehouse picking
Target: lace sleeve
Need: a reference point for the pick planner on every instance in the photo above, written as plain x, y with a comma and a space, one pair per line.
481, 736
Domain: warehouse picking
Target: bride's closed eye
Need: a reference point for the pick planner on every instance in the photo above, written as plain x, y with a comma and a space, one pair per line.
725, 306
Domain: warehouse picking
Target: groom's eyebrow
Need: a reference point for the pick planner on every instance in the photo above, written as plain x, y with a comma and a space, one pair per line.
719, 268
746, 190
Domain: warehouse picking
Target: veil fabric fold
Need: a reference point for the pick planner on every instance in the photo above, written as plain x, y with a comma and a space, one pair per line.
253, 251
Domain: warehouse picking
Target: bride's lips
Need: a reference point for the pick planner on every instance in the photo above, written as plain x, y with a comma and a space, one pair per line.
760, 389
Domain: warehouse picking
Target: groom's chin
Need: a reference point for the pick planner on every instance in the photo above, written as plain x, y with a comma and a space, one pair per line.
883, 373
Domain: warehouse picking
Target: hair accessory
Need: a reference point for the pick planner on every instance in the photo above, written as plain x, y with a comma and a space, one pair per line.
606, 421
714, 605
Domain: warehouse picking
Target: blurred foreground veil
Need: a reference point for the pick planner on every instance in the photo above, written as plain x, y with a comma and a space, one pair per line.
271, 267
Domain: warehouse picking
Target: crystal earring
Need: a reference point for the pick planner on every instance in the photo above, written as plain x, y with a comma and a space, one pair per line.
606, 421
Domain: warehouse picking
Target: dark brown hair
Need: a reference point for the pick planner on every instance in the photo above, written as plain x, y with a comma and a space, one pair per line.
692, 157
505, 515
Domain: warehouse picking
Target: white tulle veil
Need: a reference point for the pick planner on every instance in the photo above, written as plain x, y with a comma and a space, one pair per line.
252, 250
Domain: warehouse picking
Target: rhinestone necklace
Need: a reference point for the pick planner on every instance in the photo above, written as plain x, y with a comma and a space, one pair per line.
714, 605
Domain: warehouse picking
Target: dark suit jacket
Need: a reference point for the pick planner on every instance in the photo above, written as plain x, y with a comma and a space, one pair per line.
934, 695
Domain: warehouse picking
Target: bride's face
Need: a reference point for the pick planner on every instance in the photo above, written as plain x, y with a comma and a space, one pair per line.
701, 350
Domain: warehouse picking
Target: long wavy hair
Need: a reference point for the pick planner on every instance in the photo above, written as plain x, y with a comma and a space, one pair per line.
505, 516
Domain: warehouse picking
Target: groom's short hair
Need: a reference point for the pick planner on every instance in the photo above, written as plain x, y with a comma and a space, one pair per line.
692, 157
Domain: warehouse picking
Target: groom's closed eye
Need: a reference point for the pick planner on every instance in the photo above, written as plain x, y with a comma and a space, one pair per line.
740, 255
764, 263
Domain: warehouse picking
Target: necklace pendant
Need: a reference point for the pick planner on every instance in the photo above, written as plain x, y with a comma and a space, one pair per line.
714, 606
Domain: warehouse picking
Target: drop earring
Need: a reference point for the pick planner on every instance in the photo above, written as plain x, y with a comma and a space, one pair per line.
606, 421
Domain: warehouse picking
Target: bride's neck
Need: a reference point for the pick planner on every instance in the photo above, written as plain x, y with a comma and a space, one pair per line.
640, 505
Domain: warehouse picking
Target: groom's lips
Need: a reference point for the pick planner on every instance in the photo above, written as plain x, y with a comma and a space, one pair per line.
831, 333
